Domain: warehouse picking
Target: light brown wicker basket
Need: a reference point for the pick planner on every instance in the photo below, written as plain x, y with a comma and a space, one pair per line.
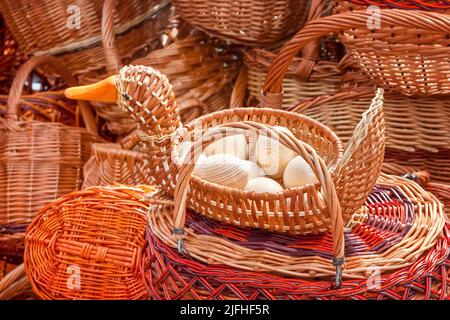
403, 50
39, 161
412, 124
202, 71
81, 48
148, 96
251, 22
307, 76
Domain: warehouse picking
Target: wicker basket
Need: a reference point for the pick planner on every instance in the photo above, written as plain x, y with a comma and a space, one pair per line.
424, 179
253, 22
222, 262
81, 48
437, 164
412, 124
14, 284
308, 76
88, 245
201, 70
39, 160
408, 52
148, 96
123, 162
406, 4
9, 56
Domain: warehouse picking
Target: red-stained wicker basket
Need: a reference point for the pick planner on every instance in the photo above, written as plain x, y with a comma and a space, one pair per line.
390, 216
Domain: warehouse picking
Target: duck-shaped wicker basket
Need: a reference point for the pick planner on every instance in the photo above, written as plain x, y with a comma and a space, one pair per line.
148, 96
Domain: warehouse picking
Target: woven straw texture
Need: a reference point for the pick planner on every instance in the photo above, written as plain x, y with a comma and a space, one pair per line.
406, 4
222, 262
201, 70
412, 124
9, 57
252, 22
88, 245
39, 160
117, 123
81, 48
123, 163
14, 283
407, 52
156, 101
436, 76
437, 164
307, 76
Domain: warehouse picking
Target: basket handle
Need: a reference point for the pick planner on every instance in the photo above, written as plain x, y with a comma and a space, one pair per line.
272, 91
310, 53
19, 81
108, 36
289, 140
239, 89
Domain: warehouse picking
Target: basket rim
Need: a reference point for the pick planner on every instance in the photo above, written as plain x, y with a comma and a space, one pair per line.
287, 192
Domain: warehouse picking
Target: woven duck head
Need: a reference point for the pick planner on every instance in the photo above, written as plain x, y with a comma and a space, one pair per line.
143, 92
147, 95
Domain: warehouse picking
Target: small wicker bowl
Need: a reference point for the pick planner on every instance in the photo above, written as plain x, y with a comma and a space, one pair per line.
229, 204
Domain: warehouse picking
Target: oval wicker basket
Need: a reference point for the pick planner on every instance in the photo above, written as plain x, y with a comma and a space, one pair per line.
39, 161
382, 240
251, 22
80, 47
88, 245
407, 51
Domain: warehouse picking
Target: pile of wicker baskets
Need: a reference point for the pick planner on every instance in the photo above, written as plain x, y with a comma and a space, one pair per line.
101, 199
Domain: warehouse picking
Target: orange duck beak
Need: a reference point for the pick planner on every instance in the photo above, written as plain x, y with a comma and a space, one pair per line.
102, 91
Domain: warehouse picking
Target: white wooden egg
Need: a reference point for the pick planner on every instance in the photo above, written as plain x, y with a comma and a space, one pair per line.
223, 169
272, 156
298, 173
263, 184
235, 145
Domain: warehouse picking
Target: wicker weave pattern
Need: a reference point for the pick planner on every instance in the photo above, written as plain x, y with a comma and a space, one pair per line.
437, 164
170, 276
81, 49
412, 124
407, 4
201, 71
434, 51
408, 54
252, 22
99, 231
118, 163
262, 210
39, 161
385, 235
325, 78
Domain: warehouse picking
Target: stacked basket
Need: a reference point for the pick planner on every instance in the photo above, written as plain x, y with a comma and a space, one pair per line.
149, 224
